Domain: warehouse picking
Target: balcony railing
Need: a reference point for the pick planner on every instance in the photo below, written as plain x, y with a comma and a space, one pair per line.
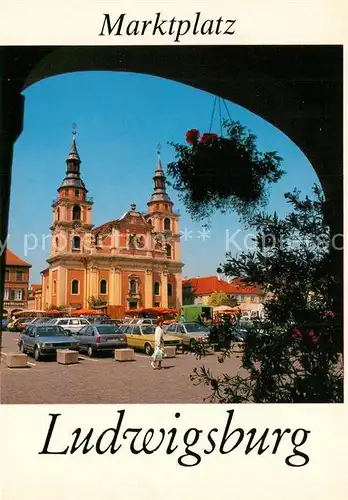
89, 199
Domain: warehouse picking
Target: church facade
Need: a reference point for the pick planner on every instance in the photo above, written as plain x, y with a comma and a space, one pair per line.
130, 262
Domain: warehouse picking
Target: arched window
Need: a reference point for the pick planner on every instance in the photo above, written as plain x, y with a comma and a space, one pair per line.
170, 289
77, 193
167, 224
54, 287
58, 213
133, 286
75, 287
156, 288
57, 243
102, 287
76, 213
168, 251
76, 243
149, 221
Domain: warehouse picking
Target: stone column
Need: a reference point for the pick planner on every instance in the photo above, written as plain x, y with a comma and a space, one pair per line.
115, 236
60, 286
118, 286
178, 291
164, 288
11, 125
148, 288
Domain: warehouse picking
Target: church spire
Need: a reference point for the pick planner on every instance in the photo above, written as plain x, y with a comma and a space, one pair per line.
73, 162
159, 195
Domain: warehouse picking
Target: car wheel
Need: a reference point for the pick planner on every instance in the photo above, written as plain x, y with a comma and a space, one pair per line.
90, 351
148, 349
37, 354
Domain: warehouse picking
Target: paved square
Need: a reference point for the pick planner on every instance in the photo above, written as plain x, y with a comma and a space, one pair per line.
103, 380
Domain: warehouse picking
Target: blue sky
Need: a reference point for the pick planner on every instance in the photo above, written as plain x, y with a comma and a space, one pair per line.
120, 119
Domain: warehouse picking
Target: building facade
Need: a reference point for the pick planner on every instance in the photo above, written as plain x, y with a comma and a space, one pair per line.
130, 262
16, 284
199, 290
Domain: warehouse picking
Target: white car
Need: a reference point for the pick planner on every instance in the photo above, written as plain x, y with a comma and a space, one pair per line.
72, 325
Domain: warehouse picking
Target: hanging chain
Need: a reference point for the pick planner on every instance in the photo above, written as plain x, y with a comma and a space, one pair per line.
212, 115
220, 99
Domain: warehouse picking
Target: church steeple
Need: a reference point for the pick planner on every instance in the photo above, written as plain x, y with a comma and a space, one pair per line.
73, 162
159, 195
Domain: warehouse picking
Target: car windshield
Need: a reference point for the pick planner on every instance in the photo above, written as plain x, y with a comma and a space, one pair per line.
51, 331
107, 329
147, 329
196, 327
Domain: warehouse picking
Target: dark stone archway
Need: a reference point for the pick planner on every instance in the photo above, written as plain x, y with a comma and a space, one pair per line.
299, 89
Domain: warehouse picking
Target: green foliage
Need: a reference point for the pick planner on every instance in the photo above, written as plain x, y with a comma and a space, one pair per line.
221, 299
223, 174
96, 301
52, 307
294, 355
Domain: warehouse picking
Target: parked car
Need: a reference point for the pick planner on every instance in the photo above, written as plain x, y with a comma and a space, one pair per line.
142, 337
189, 332
18, 324
70, 325
142, 321
4, 323
44, 340
96, 338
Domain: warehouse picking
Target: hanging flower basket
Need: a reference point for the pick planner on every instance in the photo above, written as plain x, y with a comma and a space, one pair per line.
222, 172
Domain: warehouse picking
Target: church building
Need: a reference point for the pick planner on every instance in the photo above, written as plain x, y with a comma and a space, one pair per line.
130, 262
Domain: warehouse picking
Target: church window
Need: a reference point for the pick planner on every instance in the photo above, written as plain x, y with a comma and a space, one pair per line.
54, 287
58, 213
57, 243
75, 287
76, 243
168, 251
156, 288
66, 193
76, 213
170, 290
133, 286
77, 193
167, 224
102, 287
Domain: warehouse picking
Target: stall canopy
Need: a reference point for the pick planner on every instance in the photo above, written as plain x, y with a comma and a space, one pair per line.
218, 309
87, 312
152, 310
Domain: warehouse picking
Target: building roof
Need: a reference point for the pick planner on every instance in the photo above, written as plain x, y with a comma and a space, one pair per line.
205, 285
13, 260
36, 287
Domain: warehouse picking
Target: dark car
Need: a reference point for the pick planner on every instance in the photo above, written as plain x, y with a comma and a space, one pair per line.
44, 340
100, 337
4, 323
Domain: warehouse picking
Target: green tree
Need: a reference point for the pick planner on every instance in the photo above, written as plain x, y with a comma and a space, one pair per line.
294, 355
221, 299
96, 302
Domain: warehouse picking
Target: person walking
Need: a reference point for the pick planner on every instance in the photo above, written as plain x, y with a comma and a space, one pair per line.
158, 354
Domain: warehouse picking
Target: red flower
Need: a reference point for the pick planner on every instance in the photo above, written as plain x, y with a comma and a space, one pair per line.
329, 314
208, 138
296, 333
192, 136
312, 336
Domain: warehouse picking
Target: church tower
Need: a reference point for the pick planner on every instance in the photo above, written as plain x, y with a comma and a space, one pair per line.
72, 210
164, 219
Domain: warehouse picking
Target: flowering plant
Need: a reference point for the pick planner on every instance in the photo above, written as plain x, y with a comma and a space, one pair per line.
221, 172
